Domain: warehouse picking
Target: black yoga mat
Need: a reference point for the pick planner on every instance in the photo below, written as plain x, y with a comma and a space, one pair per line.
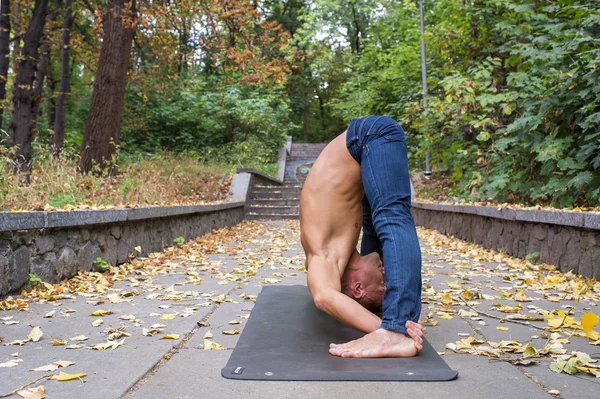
287, 338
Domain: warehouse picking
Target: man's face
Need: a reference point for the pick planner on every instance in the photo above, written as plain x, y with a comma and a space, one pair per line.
373, 281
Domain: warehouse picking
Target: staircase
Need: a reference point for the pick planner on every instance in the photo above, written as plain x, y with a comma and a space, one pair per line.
283, 202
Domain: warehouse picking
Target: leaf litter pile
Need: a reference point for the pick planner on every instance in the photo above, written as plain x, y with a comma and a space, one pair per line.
254, 245
479, 286
484, 286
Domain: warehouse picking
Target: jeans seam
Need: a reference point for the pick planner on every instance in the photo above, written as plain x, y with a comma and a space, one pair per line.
385, 217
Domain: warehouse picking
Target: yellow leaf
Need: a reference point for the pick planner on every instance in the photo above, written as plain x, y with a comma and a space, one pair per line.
67, 377
211, 345
208, 335
234, 322
588, 322
446, 317
446, 299
521, 297
35, 334
502, 328
101, 312
231, 332
58, 342
167, 317
171, 336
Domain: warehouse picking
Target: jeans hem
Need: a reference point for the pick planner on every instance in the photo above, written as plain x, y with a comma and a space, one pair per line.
394, 327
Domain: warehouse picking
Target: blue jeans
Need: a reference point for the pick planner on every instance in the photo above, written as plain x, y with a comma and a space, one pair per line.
378, 144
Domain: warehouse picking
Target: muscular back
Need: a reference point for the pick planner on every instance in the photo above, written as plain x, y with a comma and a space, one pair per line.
330, 205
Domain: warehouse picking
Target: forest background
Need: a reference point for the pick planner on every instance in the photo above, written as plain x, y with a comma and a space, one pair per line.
146, 102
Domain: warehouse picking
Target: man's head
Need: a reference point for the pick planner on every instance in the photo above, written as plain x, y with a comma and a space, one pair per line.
364, 281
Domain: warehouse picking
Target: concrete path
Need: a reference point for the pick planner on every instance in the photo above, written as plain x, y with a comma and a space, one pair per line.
233, 264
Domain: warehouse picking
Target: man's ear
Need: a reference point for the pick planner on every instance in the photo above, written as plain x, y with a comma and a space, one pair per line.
358, 290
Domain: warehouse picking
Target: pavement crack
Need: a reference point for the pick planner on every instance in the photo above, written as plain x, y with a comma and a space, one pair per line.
175, 349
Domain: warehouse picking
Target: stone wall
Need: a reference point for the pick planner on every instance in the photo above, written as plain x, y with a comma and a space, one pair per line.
560, 238
54, 245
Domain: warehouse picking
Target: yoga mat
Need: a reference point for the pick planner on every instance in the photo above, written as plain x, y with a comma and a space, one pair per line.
287, 338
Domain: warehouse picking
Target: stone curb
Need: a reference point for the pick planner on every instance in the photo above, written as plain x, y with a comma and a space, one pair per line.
10, 221
587, 220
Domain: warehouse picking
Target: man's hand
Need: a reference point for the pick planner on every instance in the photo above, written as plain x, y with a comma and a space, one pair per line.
415, 331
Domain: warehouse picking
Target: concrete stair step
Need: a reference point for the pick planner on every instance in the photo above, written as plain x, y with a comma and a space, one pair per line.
252, 216
274, 210
277, 189
278, 196
275, 202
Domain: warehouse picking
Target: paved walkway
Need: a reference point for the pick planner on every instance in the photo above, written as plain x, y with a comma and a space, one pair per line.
201, 287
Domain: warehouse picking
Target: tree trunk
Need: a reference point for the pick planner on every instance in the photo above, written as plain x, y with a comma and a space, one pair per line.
4, 51
58, 140
23, 100
101, 136
305, 120
45, 65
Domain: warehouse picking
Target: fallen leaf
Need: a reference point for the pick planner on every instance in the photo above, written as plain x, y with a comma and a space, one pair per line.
446, 299
48, 367
170, 336
35, 334
521, 297
64, 363
231, 332
98, 322
62, 376
58, 342
74, 346
101, 313
167, 317
588, 322
80, 338
502, 328
208, 335
234, 322
11, 363
211, 345
33, 393
49, 315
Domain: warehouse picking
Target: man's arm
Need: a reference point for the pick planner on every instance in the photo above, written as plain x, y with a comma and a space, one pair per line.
325, 286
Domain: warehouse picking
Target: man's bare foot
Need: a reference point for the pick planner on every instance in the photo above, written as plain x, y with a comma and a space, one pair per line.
379, 343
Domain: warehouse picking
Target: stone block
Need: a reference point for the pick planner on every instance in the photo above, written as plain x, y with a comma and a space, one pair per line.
115, 231
4, 270
586, 264
43, 244
589, 239
43, 267
85, 256
570, 260
539, 231
18, 273
66, 264
85, 235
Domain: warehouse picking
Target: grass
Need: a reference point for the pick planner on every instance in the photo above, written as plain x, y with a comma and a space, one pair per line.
164, 179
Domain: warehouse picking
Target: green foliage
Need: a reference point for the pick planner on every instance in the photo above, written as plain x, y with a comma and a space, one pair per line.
101, 265
522, 124
178, 240
34, 280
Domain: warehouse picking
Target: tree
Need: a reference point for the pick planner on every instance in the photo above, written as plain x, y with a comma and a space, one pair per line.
4, 51
58, 139
24, 102
101, 136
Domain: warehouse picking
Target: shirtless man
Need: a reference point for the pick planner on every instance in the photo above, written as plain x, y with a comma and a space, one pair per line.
362, 177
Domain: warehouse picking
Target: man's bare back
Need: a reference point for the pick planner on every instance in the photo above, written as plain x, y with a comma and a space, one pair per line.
330, 224
330, 205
